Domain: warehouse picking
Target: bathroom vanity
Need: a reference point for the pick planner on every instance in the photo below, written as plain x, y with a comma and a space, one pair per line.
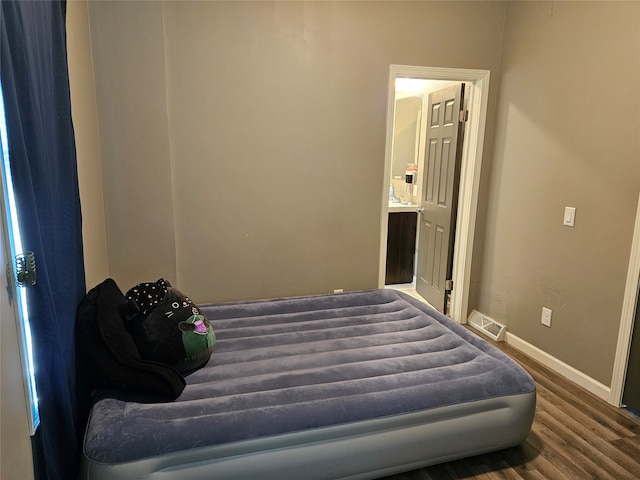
401, 244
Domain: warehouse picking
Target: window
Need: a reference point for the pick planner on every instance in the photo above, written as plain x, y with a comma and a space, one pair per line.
12, 228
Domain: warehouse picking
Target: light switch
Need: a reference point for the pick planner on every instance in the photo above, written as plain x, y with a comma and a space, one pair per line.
569, 216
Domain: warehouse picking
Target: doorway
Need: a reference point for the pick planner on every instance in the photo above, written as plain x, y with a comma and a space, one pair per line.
478, 89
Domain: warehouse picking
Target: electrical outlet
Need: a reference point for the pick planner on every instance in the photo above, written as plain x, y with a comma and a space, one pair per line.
338, 290
546, 317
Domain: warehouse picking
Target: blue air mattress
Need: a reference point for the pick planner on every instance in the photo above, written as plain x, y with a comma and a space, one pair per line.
352, 385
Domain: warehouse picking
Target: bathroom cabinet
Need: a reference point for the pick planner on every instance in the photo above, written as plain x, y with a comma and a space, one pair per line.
401, 247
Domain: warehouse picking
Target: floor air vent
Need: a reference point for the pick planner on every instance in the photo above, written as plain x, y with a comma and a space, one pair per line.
487, 326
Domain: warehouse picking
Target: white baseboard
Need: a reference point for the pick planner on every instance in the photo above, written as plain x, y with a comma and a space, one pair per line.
558, 366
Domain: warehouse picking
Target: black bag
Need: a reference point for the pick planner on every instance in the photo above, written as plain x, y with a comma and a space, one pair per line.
109, 354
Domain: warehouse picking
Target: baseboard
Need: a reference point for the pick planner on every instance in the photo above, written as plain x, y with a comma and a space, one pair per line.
558, 366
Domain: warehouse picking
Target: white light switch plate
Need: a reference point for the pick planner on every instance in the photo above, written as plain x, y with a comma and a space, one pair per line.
569, 216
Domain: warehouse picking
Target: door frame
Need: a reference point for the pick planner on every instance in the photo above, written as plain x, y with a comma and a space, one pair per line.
16, 414
627, 318
478, 81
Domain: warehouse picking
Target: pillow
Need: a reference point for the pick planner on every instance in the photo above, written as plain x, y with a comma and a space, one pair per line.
168, 327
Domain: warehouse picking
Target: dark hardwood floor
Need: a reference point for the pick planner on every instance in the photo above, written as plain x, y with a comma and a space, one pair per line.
575, 435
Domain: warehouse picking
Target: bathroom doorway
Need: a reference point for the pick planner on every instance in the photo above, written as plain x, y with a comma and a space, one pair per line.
477, 84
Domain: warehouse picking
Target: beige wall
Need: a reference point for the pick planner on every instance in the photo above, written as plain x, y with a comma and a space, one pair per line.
85, 122
242, 150
127, 43
243, 143
567, 134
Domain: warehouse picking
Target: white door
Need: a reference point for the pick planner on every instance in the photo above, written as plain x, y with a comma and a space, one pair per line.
16, 409
15, 442
441, 179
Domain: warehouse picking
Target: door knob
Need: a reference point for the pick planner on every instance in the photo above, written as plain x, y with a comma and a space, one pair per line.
421, 210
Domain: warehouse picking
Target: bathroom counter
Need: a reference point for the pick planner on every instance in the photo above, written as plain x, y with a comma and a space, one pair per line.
402, 207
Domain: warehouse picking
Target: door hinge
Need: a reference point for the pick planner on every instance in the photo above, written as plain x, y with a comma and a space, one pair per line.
464, 116
448, 285
25, 269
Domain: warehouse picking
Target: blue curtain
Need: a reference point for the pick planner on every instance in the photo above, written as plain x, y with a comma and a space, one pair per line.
33, 69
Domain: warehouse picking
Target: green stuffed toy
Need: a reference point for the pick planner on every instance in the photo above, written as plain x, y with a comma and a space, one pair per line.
168, 327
